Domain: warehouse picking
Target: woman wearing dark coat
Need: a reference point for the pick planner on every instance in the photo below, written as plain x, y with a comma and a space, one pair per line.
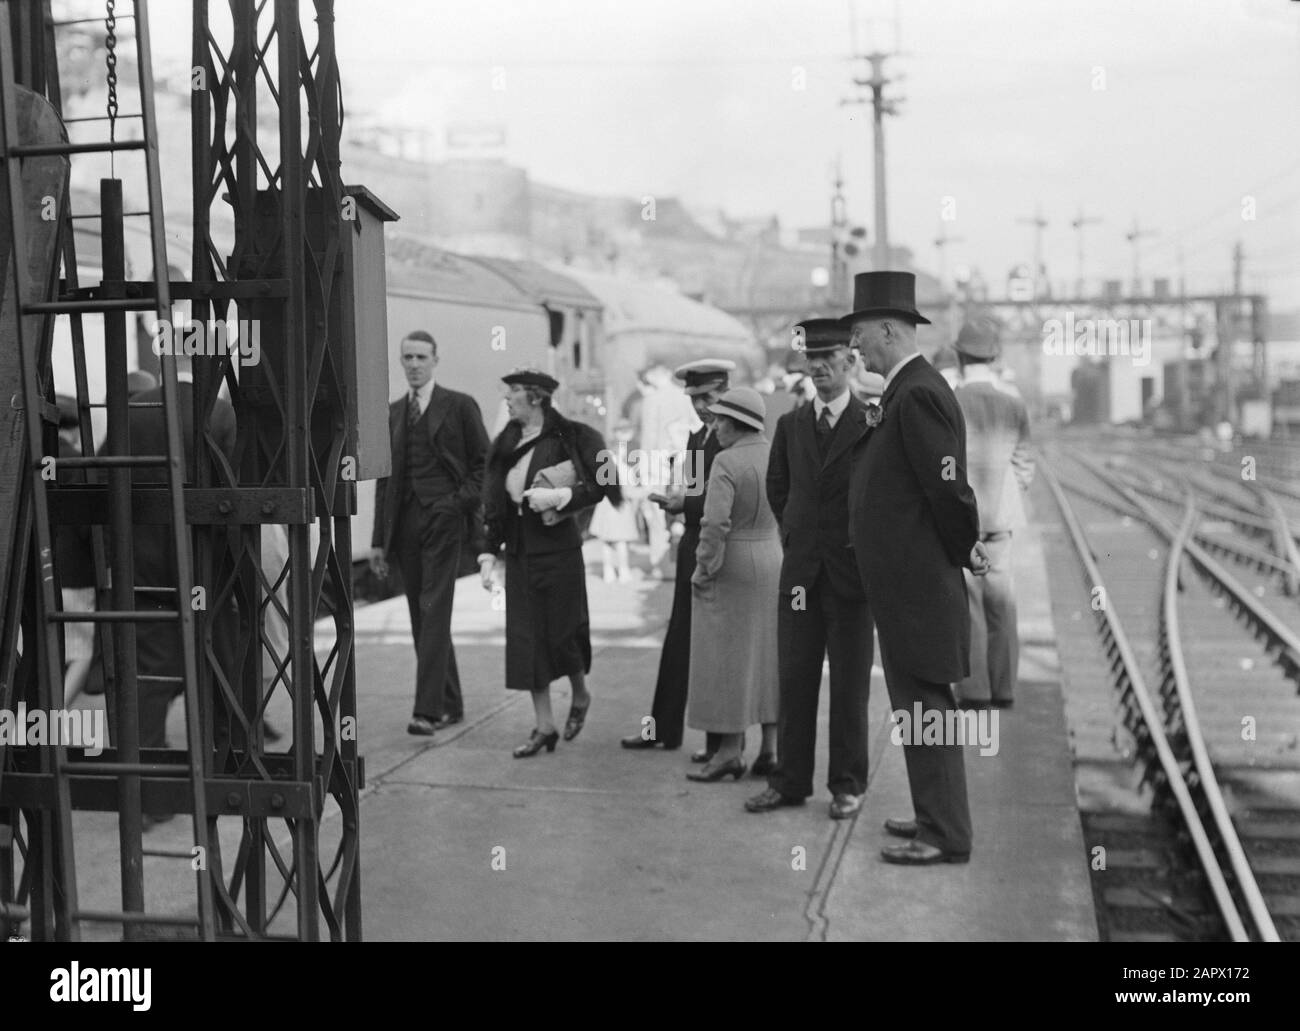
529, 506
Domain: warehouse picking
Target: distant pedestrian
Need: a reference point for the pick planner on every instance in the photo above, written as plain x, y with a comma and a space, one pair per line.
1000, 464
615, 526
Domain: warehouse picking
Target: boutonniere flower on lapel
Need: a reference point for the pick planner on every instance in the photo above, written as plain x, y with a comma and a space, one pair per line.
874, 414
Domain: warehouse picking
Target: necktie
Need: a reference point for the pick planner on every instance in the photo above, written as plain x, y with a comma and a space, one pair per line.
413, 408
824, 431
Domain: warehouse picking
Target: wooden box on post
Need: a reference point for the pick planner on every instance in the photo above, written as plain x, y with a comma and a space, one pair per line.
365, 331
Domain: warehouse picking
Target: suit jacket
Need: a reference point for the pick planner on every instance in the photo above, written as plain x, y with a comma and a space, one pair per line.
155, 564
914, 520
810, 499
455, 428
516, 527
1001, 461
700, 451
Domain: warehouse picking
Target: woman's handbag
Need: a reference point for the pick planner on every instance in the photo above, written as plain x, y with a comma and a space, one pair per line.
562, 475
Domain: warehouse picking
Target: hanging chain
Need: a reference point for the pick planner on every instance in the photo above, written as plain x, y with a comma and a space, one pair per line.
110, 61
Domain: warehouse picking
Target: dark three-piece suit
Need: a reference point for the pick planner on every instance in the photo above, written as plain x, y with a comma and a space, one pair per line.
425, 516
823, 609
913, 523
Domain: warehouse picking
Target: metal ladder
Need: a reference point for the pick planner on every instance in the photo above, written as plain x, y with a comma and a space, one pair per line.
59, 907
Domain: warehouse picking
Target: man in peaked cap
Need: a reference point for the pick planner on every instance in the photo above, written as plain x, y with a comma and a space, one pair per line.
1001, 466
704, 381
823, 610
914, 527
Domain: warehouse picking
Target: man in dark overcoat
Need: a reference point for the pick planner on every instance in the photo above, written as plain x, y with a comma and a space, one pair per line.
704, 381
914, 526
823, 610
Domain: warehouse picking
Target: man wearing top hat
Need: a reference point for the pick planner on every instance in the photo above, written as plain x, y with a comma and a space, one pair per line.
914, 526
705, 381
823, 610
1001, 465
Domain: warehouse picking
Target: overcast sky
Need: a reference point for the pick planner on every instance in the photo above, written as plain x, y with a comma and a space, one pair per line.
1170, 111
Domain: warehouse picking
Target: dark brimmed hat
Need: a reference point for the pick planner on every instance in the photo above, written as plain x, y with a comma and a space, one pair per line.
744, 404
979, 338
883, 294
822, 336
530, 377
140, 380
705, 374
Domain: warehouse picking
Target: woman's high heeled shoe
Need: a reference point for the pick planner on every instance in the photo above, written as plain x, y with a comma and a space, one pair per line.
536, 742
731, 768
574, 724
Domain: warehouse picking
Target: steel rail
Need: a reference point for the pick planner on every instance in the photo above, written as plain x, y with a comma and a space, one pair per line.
1171, 649
1283, 644
1145, 724
1239, 551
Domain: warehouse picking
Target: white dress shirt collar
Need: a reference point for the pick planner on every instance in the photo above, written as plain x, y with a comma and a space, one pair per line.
894, 371
422, 395
835, 406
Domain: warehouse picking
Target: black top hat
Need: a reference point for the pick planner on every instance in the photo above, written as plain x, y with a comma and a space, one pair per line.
821, 336
531, 378
883, 294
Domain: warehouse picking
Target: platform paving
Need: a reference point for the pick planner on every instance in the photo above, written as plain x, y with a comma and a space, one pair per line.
461, 841
603, 843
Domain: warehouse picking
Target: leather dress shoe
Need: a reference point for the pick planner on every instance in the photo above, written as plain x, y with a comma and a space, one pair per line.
443, 722
577, 719
421, 726
763, 765
1002, 703
900, 828
919, 853
734, 768
770, 799
974, 703
844, 805
536, 742
702, 756
637, 741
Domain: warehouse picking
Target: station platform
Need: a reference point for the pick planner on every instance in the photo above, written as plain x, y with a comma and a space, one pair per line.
462, 841
599, 842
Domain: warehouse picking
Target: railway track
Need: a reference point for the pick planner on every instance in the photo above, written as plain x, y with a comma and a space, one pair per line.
1185, 723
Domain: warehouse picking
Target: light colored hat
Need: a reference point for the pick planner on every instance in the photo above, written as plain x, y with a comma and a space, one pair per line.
873, 384
744, 404
704, 374
979, 338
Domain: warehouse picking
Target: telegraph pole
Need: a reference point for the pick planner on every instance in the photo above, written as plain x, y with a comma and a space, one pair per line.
839, 266
941, 243
1039, 223
880, 106
1135, 236
1078, 225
